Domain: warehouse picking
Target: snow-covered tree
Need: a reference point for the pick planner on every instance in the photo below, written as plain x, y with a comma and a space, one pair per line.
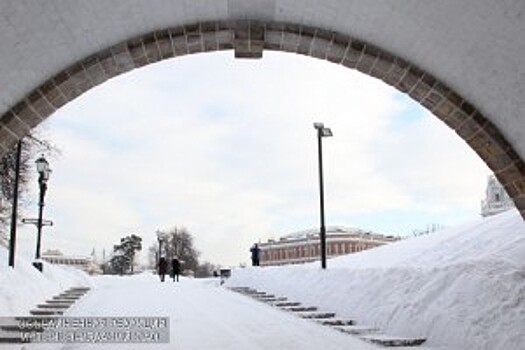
123, 257
118, 264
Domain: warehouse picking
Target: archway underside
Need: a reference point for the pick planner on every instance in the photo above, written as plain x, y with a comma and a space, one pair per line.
248, 39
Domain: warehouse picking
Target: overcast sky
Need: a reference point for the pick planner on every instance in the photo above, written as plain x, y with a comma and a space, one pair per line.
226, 148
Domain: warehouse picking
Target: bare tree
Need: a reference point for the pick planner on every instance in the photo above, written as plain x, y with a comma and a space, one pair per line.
180, 244
429, 229
31, 146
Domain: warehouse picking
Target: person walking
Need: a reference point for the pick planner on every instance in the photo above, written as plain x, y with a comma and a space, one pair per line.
255, 250
163, 267
175, 269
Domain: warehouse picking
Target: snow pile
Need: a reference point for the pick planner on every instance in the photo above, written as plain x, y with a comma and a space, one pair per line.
462, 288
23, 287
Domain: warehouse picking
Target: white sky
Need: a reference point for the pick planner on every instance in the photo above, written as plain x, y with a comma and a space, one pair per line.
227, 149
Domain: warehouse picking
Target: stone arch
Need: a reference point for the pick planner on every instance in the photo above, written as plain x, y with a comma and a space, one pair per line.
248, 39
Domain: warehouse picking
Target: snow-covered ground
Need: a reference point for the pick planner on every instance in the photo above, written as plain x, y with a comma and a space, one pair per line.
202, 316
24, 286
461, 288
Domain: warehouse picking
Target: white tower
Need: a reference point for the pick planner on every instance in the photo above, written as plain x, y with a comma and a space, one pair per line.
496, 199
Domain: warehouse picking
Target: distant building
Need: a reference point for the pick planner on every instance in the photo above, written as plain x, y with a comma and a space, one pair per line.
304, 246
85, 263
496, 198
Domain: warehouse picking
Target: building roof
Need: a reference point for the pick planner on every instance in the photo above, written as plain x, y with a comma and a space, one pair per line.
330, 231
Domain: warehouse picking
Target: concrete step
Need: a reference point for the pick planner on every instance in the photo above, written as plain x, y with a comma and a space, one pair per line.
273, 300
53, 306
265, 296
248, 292
243, 289
60, 301
78, 291
356, 330
317, 315
392, 341
7, 337
251, 293
287, 303
11, 330
72, 295
300, 308
337, 322
281, 299
240, 289
40, 312
256, 294
369, 334
267, 300
62, 297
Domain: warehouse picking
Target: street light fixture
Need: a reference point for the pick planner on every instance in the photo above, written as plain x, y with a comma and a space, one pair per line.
42, 167
161, 237
322, 131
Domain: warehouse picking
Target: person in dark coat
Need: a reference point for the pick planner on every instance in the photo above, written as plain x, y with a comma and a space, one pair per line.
255, 250
175, 269
163, 268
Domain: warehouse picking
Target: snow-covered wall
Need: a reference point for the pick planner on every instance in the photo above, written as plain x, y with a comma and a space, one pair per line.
461, 287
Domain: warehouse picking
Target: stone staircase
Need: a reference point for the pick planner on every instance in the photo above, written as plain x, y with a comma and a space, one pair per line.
11, 330
329, 319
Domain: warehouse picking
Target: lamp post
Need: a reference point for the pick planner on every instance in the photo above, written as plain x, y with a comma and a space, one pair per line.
12, 240
161, 236
322, 131
42, 167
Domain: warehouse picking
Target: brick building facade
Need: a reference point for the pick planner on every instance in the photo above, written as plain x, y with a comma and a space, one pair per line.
304, 246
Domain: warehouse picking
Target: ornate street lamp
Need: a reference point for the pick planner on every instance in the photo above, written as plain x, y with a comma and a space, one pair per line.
322, 131
42, 167
161, 237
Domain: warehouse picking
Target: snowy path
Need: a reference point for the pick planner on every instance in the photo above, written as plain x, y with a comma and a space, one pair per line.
205, 316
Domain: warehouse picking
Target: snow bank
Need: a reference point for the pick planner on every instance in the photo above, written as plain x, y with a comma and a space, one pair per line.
463, 288
23, 287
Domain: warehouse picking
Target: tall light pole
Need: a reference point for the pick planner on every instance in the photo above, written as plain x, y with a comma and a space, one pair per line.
322, 131
14, 214
161, 236
42, 166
